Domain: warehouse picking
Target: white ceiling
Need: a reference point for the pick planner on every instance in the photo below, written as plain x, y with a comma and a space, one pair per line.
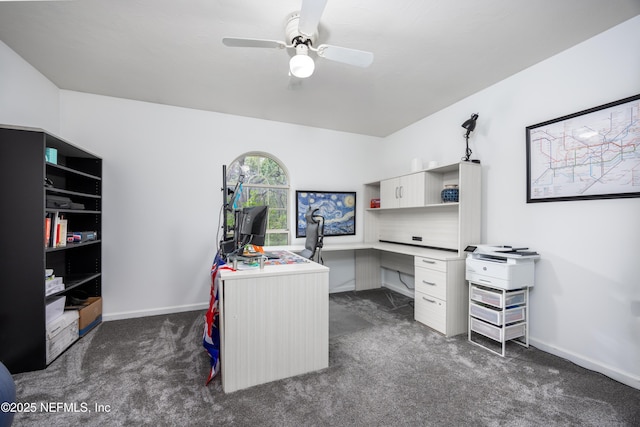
428, 53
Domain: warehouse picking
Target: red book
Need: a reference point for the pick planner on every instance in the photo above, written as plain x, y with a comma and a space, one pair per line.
47, 231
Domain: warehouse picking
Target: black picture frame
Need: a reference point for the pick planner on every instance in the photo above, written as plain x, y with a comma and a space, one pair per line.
591, 154
337, 207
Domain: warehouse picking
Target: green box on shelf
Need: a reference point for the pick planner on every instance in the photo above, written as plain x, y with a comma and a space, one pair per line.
51, 155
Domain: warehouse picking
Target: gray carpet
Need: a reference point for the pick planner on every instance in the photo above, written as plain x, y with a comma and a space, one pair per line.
384, 369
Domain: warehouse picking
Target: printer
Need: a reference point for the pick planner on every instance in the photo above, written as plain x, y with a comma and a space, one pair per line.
502, 267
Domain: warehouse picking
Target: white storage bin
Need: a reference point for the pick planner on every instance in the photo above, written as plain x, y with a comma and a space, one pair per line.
494, 297
53, 285
496, 333
61, 333
511, 315
55, 308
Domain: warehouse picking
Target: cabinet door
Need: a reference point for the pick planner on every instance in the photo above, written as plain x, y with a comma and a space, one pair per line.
390, 193
412, 190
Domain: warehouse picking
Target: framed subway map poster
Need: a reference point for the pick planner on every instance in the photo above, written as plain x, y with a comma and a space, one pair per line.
338, 208
592, 154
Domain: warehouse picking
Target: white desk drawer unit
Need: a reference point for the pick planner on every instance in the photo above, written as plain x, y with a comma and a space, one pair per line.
440, 295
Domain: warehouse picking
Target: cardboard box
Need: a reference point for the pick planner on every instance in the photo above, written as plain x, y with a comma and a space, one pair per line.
55, 308
90, 315
61, 333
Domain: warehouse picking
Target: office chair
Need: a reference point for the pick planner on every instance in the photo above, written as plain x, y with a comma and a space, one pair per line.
315, 235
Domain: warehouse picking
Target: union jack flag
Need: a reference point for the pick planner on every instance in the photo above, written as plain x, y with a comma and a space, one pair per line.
211, 336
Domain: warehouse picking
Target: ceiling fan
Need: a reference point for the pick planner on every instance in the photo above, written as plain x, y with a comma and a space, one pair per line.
301, 31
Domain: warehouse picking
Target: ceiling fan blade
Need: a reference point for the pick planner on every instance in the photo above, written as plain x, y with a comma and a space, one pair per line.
359, 58
239, 42
310, 15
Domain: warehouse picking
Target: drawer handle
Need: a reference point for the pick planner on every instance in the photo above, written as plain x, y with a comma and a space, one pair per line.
429, 300
428, 283
428, 261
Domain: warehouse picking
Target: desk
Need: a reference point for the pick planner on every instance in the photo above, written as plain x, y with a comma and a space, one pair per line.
397, 248
370, 256
274, 323
441, 293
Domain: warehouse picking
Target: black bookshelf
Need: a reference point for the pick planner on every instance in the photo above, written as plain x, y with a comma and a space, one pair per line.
77, 174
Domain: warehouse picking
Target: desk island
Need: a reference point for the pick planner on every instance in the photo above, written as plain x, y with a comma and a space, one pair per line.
274, 323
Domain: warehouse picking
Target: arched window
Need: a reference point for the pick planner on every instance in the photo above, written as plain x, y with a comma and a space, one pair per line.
265, 182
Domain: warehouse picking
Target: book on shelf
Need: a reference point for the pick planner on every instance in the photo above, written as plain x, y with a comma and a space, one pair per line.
47, 230
62, 236
56, 230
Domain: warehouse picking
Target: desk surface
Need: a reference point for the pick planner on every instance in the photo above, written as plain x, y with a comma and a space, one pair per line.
386, 247
305, 267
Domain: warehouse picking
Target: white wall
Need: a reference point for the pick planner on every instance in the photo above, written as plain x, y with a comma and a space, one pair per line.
27, 98
586, 302
162, 170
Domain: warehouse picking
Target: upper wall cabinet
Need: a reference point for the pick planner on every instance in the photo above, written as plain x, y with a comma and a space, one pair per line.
406, 191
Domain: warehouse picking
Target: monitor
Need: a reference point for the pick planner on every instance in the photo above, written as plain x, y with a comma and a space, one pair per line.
251, 227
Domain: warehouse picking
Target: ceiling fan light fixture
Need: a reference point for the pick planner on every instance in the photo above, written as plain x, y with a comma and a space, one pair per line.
301, 65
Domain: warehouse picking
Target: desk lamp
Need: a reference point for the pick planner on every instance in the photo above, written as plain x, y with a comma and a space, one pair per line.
469, 125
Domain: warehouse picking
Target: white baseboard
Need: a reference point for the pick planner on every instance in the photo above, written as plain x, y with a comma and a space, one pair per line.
611, 372
349, 286
154, 312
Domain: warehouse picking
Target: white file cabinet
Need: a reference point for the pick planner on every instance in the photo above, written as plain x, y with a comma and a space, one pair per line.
440, 300
499, 314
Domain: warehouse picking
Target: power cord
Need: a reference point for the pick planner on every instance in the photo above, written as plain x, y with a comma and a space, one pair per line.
390, 297
402, 281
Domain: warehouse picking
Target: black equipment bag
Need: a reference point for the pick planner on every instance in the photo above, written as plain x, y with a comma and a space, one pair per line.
59, 202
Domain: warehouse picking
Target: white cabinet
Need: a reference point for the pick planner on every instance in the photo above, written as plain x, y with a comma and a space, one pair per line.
411, 210
412, 215
440, 295
403, 192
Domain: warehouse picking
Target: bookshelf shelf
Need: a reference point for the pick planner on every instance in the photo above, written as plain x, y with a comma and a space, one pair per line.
29, 179
78, 211
73, 171
72, 193
74, 245
72, 283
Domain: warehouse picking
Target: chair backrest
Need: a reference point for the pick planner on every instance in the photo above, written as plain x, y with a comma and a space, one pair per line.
315, 233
